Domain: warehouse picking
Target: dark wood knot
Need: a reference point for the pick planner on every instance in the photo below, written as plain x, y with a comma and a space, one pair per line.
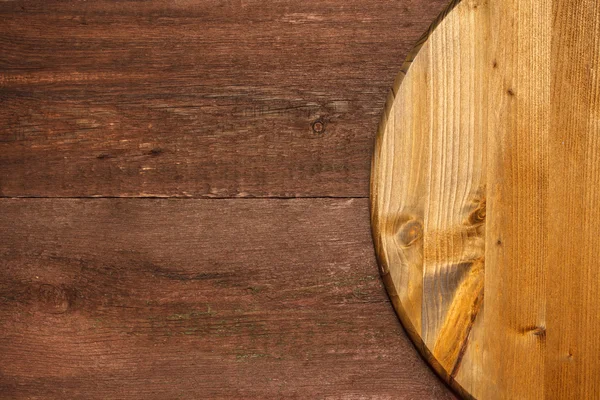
477, 217
318, 126
410, 233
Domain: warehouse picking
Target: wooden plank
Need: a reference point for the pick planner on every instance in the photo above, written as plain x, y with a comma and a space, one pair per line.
455, 200
516, 239
573, 277
197, 98
155, 299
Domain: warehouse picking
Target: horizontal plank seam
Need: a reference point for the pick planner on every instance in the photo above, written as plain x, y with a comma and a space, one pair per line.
185, 197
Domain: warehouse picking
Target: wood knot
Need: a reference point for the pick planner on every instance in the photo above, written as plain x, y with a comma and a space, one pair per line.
538, 331
53, 299
477, 217
410, 232
318, 126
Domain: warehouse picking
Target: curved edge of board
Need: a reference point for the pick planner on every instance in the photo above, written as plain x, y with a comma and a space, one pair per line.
384, 270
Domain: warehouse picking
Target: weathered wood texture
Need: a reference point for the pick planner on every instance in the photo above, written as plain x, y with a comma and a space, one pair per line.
197, 98
485, 204
156, 299
188, 298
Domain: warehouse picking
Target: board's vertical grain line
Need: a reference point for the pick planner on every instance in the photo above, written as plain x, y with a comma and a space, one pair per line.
516, 242
575, 244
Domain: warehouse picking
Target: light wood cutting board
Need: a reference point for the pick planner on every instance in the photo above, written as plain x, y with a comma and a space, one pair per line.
486, 198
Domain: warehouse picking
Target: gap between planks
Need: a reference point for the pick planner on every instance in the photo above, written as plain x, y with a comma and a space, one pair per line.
175, 197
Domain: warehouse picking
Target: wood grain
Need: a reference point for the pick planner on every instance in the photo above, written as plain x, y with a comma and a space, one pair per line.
155, 299
484, 182
516, 242
437, 287
197, 98
215, 299
573, 281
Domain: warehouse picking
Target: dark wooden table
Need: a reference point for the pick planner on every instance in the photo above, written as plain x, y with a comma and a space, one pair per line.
184, 200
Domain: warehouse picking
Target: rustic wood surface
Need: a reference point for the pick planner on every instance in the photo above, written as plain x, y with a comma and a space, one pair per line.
197, 97
200, 297
146, 298
484, 198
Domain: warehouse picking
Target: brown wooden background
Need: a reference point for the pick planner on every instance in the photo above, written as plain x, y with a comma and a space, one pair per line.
184, 208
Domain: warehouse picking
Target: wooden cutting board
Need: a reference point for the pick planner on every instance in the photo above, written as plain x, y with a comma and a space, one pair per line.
486, 198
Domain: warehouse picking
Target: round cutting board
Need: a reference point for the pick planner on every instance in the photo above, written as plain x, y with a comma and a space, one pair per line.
485, 198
